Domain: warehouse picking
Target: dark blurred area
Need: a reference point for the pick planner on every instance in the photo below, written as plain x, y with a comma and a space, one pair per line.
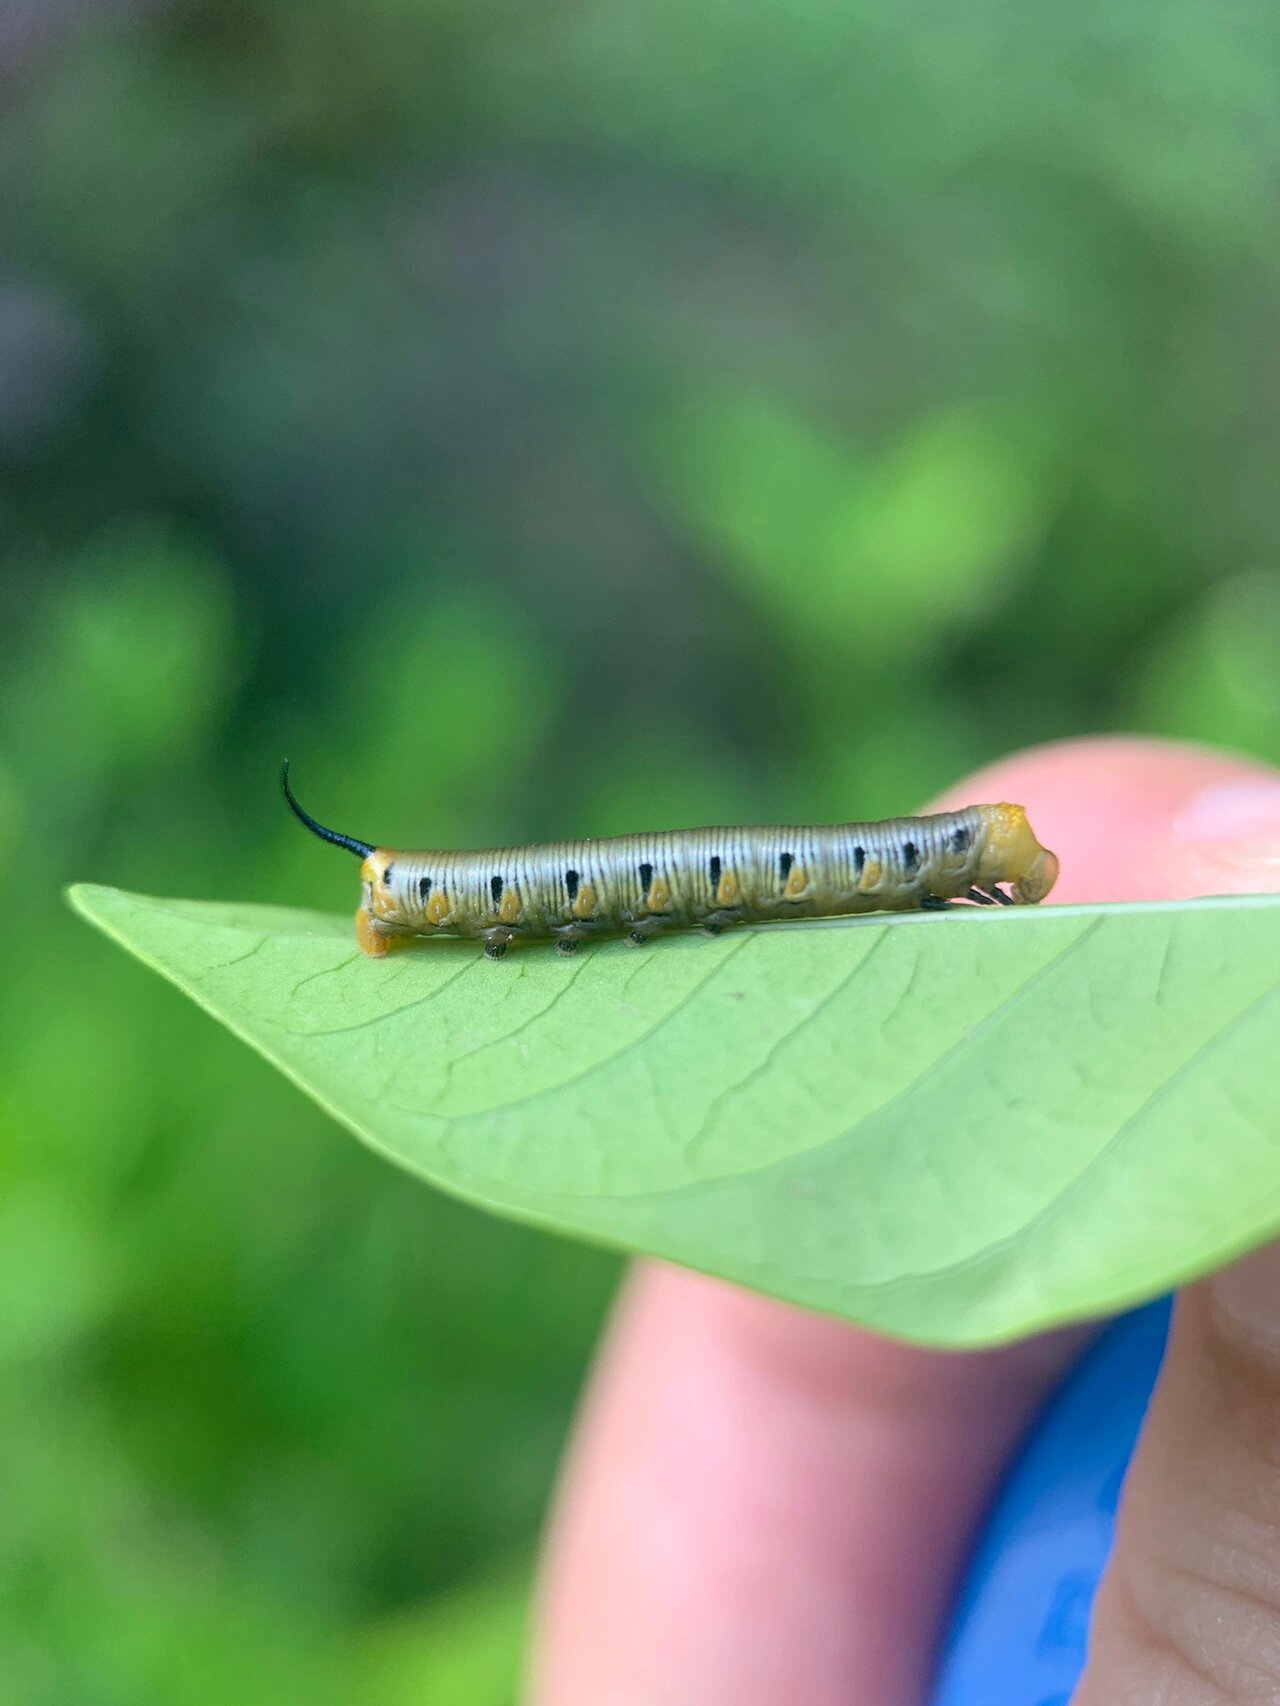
537, 419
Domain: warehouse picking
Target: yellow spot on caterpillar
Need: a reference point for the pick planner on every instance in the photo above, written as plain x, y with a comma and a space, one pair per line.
1013, 819
797, 882
585, 904
437, 907
870, 878
727, 889
658, 896
373, 873
509, 911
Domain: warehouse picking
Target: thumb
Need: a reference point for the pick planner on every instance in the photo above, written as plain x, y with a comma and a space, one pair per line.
1188, 1613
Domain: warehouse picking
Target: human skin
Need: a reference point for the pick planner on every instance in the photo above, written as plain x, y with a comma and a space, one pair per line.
761, 1505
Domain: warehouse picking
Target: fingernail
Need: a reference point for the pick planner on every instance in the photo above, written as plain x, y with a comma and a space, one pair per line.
1247, 1295
1235, 822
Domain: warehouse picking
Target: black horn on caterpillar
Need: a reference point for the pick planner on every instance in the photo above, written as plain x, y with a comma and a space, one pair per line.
361, 849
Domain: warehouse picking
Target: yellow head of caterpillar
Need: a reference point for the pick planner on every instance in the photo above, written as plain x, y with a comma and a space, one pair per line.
1011, 854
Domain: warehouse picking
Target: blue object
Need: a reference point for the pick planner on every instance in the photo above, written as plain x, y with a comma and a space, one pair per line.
1018, 1638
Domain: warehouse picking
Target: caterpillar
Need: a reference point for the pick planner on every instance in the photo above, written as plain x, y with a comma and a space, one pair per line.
640, 885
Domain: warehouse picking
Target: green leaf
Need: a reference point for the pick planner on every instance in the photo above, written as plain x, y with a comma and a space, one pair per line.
955, 1130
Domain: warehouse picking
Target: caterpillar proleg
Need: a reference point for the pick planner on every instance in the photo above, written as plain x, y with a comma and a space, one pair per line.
681, 879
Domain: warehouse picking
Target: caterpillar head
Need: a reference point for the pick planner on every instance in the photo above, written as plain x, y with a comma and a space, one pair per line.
1012, 855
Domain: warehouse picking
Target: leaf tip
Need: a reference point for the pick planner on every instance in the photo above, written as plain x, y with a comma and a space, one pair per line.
86, 899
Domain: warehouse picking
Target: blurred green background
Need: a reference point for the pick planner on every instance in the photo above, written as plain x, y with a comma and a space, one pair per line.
538, 419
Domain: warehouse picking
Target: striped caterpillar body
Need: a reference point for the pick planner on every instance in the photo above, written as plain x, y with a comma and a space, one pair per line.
567, 891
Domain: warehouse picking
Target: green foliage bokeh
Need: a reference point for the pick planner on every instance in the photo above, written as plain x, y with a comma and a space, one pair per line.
537, 420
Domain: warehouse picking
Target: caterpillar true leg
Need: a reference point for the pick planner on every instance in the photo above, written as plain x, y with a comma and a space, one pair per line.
977, 896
